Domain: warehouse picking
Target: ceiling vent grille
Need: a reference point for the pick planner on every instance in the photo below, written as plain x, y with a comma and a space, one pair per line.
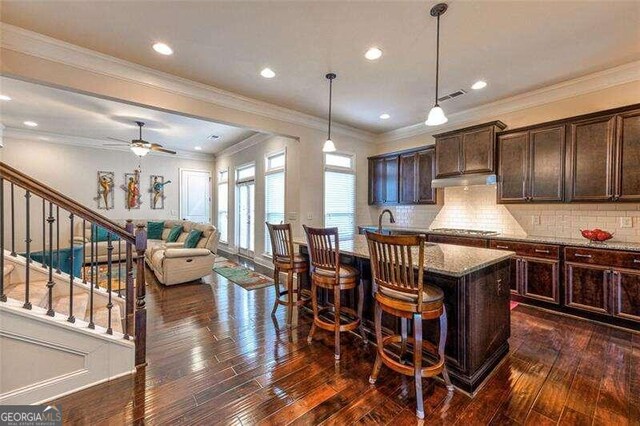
452, 95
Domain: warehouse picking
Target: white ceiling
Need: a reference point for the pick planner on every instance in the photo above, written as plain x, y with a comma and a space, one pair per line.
516, 46
91, 121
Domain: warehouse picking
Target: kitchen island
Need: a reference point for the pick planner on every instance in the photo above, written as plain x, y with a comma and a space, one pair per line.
476, 284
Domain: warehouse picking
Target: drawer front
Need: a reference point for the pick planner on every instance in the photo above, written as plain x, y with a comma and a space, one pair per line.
458, 241
544, 251
612, 258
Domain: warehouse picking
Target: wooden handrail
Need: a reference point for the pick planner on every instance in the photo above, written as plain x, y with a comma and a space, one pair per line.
38, 188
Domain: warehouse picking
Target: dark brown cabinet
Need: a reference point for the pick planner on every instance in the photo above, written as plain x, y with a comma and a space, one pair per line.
627, 179
626, 294
457, 240
466, 151
587, 287
402, 178
531, 165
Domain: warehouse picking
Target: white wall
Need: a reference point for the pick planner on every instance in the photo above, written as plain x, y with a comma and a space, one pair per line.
72, 170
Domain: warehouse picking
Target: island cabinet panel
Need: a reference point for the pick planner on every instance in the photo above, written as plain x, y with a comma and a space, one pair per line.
467, 151
591, 159
628, 157
456, 240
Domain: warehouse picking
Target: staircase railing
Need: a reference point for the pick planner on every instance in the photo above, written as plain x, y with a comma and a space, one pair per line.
54, 204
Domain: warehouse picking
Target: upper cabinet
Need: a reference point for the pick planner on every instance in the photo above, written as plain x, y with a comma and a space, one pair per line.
466, 151
531, 165
402, 178
627, 180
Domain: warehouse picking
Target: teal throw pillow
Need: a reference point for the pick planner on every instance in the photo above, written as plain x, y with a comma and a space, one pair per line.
154, 230
174, 234
98, 234
192, 239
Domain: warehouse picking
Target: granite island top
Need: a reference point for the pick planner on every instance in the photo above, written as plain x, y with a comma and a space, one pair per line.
444, 259
572, 242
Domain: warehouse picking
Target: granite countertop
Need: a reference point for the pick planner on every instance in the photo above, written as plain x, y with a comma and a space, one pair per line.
573, 242
445, 259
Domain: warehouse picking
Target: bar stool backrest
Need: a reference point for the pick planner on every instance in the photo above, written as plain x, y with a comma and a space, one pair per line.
324, 248
281, 242
392, 262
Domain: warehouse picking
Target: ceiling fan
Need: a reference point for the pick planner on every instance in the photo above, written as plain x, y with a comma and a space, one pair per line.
139, 146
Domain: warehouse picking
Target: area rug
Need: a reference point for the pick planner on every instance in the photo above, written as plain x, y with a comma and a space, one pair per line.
513, 305
101, 275
238, 274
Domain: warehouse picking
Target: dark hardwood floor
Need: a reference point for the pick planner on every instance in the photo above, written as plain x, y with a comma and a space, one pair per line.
216, 357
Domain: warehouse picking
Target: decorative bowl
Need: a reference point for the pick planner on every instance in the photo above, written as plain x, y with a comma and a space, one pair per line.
596, 235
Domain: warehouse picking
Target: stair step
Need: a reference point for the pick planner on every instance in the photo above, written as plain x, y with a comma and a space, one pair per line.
101, 317
37, 292
80, 301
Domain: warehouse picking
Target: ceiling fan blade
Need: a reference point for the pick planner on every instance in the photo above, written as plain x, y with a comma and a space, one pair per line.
116, 144
158, 148
119, 140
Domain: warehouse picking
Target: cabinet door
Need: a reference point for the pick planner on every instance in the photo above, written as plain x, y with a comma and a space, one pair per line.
626, 294
478, 151
547, 164
513, 166
426, 194
376, 181
587, 287
628, 157
408, 176
448, 156
391, 180
515, 275
540, 279
591, 160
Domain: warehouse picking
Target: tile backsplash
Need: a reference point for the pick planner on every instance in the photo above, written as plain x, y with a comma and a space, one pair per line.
476, 208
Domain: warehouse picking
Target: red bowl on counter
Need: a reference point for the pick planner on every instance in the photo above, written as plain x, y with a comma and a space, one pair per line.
597, 235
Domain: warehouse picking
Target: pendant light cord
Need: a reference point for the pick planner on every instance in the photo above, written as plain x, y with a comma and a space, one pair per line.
437, 58
330, 101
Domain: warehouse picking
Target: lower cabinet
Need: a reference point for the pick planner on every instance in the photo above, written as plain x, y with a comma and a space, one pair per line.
626, 294
587, 287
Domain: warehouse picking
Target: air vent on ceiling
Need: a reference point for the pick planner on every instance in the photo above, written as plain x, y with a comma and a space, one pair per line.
452, 95
214, 137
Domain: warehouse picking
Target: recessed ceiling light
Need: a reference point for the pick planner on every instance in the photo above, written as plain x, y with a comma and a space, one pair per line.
385, 116
5, 98
373, 53
198, 148
30, 123
163, 49
267, 73
479, 85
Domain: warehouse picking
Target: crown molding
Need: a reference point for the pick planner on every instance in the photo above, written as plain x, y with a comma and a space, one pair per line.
567, 89
244, 144
91, 143
41, 46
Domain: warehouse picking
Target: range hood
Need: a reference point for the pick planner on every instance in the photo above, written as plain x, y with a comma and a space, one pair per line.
465, 180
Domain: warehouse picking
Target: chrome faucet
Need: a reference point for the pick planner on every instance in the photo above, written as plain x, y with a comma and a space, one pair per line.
391, 219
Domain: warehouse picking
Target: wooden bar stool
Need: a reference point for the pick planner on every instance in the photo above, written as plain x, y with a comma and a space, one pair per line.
400, 292
286, 261
327, 272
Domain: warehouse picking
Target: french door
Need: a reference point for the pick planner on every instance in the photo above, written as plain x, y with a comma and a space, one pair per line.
246, 218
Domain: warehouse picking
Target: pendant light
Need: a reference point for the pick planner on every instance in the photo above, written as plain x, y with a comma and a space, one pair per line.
436, 115
329, 146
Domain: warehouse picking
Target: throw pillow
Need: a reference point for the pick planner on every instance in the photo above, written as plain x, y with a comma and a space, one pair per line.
192, 239
154, 230
174, 234
98, 234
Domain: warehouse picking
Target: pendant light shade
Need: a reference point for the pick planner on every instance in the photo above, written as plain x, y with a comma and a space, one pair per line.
436, 115
329, 146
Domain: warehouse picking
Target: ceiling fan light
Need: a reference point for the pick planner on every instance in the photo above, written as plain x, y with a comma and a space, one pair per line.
436, 117
329, 146
140, 151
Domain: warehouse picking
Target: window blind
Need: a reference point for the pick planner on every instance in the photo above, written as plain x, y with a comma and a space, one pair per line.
274, 203
223, 211
340, 203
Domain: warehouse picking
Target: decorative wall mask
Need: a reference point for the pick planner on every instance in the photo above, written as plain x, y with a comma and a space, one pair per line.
132, 190
105, 190
157, 191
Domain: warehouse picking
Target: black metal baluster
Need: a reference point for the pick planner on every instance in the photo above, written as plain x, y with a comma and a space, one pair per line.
27, 277
58, 271
13, 223
129, 298
91, 323
3, 297
84, 255
71, 277
95, 263
110, 304
120, 267
50, 282
44, 240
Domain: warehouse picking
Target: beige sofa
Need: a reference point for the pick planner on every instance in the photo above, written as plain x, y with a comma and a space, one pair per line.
170, 262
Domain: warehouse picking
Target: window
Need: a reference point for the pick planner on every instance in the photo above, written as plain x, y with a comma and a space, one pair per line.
223, 206
340, 194
246, 173
274, 193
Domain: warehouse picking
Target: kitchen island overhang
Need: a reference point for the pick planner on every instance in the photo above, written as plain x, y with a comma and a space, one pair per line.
476, 285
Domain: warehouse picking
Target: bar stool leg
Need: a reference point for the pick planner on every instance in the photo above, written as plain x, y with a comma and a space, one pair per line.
314, 305
417, 364
276, 284
378, 327
441, 344
403, 334
290, 298
360, 308
336, 304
